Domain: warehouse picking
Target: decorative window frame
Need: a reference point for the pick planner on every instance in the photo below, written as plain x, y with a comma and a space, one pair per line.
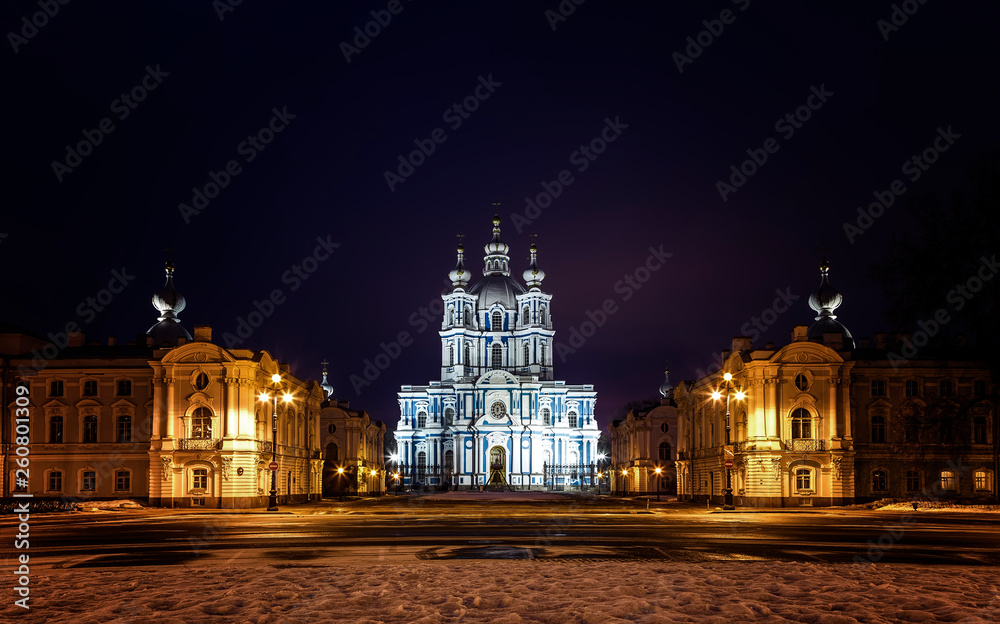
187, 420
193, 380
810, 379
114, 476
82, 382
131, 386
47, 389
871, 479
79, 481
62, 480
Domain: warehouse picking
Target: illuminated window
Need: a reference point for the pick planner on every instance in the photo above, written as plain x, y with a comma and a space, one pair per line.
801, 424
912, 387
123, 481
55, 388
90, 428
90, 388
801, 382
912, 481
56, 430
199, 479
878, 387
88, 481
201, 424
879, 481
983, 480
496, 324
496, 357
878, 428
124, 428
949, 481
55, 481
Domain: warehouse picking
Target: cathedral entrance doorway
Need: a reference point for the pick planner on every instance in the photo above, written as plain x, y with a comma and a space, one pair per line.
498, 465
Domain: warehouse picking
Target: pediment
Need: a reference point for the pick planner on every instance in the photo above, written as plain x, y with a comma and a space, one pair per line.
197, 352
806, 353
497, 377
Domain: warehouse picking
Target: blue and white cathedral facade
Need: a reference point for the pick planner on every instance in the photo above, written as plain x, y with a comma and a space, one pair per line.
497, 417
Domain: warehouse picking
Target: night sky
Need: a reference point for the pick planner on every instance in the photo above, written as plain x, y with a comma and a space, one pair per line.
303, 122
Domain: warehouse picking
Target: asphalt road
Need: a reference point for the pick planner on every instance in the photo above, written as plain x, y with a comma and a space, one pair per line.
412, 528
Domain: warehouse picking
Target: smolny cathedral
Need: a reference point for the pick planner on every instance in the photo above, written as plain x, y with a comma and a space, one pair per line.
497, 417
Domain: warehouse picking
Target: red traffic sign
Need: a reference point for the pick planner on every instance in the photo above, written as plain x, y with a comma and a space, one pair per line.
274, 465
729, 463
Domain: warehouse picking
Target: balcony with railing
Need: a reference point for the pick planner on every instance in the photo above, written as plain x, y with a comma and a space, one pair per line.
198, 444
805, 444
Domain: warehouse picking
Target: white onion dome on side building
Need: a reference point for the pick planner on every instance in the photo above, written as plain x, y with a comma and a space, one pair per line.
824, 301
533, 276
169, 303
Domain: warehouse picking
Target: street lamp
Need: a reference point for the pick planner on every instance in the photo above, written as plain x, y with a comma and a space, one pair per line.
658, 471
727, 500
272, 502
624, 482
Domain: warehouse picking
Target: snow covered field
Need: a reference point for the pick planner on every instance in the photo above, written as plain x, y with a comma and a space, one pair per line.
516, 591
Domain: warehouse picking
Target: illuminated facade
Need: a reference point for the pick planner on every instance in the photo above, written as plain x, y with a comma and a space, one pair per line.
644, 448
353, 450
825, 421
171, 419
497, 417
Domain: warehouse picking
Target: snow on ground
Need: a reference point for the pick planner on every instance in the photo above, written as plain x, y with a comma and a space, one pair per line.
515, 591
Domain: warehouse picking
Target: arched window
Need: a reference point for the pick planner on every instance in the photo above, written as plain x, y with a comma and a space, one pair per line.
201, 423
451, 317
979, 430
982, 480
525, 318
949, 480
467, 317
527, 354
541, 357
801, 424
496, 356
421, 419
496, 324
546, 416
125, 428
451, 355
449, 460
90, 428
665, 451
541, 316
878, 428
332, 452
468, 355
880, 481
572, 420
421, 464
449, 416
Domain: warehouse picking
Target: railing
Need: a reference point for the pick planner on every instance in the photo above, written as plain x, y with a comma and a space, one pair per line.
805, 445
198, 444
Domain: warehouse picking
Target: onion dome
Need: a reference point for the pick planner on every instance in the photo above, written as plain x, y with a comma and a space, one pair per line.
666, 388
459, 276
497, 262
169, 303
533, 276
327, 388
824, 301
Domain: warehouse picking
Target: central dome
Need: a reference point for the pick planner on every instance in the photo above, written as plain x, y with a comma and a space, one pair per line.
495, 288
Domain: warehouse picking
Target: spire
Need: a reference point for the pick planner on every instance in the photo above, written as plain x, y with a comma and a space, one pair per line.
825, 301
325, 384
169, 303
533, 276
459, 276
666, 388
496, 262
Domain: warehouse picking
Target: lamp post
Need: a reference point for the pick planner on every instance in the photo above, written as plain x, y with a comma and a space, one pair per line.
272, 501
600, 462
727, 500
624, 482
658, 471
